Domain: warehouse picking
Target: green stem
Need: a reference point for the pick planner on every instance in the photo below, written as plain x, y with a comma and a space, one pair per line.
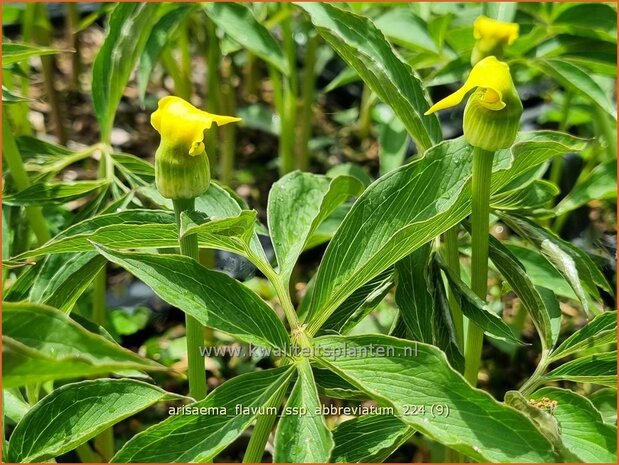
283, 294
365, 116
195, 331
228, 107
73, 19
537, 377
452, 258
309, 89
212, 86
480, 223
42, 36
12, 157
104, 444
87, 455
289, 107
262, 430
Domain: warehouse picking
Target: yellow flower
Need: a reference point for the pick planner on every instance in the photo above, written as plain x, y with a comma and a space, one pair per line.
181, 164
492, 37
492, 113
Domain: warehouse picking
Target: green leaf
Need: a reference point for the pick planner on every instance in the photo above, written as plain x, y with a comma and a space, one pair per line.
302, 435
574, 264
161, 32
298, 203
535, 195
544, 420
132, 166
595, 368
129, 27
413, 294
332, 385
601, 183
13, 52
238, 21
393, 142
14, 407
478, 311
51, 193
75, 238
213, 298
364, 48
41, 343
199, 436
74, 413
64, 277
578, 80
599, 332
502, 11
403, 27
234, 233
583, 430
10, 97
605, 401
369, 439
415, 377
360, 303
540, 271
540, 303
410, 206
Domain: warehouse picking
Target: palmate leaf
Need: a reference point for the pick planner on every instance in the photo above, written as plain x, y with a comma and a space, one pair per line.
411, 205
369, 439
74, 413
213, 298
128, 29
360, 44
410, 374
41, 343
298, 203
583, 430
302, 435
199, 437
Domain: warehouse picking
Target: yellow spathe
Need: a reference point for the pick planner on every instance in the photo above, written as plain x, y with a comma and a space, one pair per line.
182, 125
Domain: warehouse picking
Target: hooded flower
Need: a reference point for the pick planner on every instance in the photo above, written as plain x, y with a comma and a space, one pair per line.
181, 164
492, 113
492, 37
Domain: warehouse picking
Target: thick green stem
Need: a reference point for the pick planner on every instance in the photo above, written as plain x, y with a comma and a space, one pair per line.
480, 223
309, 89
262, 430
12, 157
289, 105
195, 331
104, 444
452, 257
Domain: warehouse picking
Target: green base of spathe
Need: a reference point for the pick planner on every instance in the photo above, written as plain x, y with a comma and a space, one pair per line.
179, 175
